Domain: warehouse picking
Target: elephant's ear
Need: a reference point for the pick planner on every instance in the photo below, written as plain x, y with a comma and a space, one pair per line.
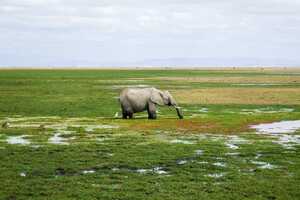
157, 97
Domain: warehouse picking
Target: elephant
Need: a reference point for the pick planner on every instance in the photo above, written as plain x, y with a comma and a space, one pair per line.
134, 100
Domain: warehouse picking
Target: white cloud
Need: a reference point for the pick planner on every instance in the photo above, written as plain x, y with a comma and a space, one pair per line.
106, 31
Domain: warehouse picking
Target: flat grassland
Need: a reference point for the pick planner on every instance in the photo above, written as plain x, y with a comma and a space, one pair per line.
61, 136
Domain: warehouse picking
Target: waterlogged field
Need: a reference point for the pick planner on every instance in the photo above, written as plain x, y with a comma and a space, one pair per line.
61, 136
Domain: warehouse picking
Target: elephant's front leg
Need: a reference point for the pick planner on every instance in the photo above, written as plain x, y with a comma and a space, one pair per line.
151, 110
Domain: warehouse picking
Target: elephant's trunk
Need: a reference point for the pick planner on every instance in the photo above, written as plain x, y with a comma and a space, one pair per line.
179, 112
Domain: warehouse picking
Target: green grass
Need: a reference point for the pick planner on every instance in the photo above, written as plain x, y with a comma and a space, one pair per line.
80, 98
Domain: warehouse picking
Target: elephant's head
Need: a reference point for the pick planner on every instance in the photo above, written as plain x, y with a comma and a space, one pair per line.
165, 98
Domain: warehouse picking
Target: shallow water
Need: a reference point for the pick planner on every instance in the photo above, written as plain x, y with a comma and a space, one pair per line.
278, 127
23, 174
182, 162
57, 139
205, 110
178, 141
200, 110
288, 141
216, 175
18, 140
198, 152
159, 170
234, 141
232, 154
263, 165
283, 131
219, 164
231, 146
266, 111
88, 171
156, 170
60, 126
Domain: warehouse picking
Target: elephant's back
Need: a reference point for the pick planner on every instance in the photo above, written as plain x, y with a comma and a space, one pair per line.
135, 92
137, 98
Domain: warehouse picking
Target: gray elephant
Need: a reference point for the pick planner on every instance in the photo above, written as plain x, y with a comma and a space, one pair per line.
135, 100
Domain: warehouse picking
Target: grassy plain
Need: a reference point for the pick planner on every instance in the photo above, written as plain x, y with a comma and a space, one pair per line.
63, 141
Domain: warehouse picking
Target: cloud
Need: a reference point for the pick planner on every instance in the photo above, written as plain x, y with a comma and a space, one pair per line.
76, 32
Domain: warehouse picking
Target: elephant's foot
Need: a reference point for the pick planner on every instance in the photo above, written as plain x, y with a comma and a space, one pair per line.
152, 116
130, 115
127, 114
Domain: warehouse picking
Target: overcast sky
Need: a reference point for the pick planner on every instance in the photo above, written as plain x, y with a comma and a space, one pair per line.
155, 32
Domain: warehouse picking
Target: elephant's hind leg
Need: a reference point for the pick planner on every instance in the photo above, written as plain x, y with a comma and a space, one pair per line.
130, 114
124, 115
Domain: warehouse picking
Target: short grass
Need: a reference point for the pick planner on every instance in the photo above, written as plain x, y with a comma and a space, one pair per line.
211, 154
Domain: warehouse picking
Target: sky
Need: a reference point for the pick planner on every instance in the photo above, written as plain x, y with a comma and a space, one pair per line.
54, 33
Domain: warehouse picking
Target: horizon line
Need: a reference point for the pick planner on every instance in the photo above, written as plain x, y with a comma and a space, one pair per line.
142, 67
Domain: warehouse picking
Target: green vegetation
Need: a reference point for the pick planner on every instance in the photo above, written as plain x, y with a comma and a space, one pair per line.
62, 140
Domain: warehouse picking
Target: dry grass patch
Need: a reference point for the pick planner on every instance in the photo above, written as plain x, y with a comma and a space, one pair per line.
257, 96
175, 125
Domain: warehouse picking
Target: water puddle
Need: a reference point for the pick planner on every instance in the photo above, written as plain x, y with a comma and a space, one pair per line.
202, 162
231, 146
219, 164
266, 111
258, 155
23, 174
115, 169
88, 171
199, 152
63, 126
182, 162
283, 131
204, 110
196, 110
278, 127
91, 128
234, 141
263, 165
159, 170
216, 175
38, 118
25, 125
257, 111
143, 171
103, 139
18, 140
232, 154
288, 141
178, 141
191, 159
156, 170
59, 128
57, 139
